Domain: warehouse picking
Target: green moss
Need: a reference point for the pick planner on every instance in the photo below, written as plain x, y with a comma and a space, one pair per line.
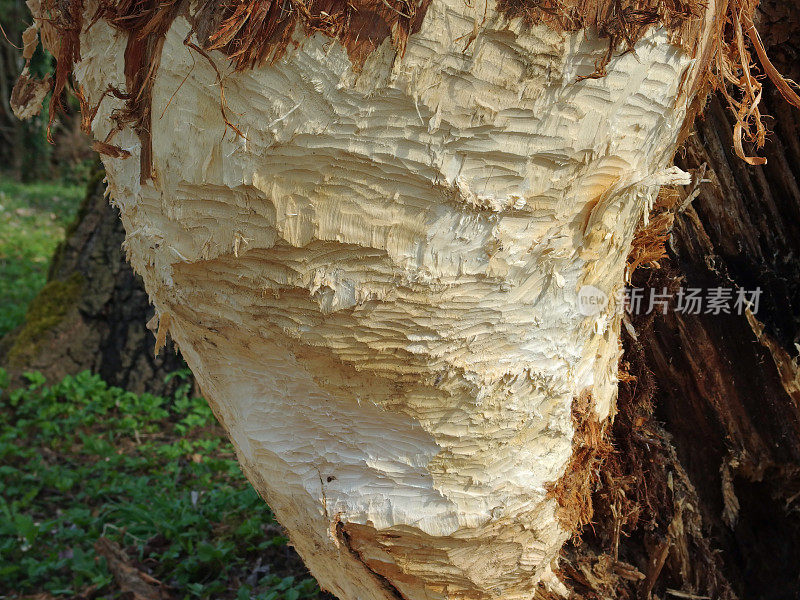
32, 221
45, 312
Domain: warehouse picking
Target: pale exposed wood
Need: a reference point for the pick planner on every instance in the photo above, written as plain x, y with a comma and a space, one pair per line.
377, 287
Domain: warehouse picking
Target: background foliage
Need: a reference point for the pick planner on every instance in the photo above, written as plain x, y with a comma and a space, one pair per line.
80, 460
33, 217
25, 154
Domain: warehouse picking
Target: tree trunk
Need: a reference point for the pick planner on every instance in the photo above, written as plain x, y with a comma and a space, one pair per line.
378, 273
91, 314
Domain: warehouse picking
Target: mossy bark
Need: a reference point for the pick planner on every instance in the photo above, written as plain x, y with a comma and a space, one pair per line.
93, 311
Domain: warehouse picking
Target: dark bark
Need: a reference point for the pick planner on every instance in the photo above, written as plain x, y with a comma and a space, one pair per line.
726, 390
93, 310
703, 492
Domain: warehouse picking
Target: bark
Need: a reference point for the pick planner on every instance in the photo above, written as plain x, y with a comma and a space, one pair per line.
735, 379
710, 429
93, 311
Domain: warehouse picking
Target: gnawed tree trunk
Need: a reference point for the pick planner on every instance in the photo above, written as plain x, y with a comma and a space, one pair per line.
93, 310
375, 276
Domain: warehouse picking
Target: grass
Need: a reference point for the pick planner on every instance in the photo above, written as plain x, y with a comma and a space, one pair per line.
32, 221
80, 460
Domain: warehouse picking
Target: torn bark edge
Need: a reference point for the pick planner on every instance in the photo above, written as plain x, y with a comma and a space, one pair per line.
160, 324
248, 32
649, 242
726, 64
654, 502
342, 538
28, 94
590, 448
646, 498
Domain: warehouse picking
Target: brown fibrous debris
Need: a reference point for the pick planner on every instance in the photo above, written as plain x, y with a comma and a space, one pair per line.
146, 23
590, 447
726, 65
649, 243
28, 94
66, 18
647, 529
730, 68
253, 32
621, 22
